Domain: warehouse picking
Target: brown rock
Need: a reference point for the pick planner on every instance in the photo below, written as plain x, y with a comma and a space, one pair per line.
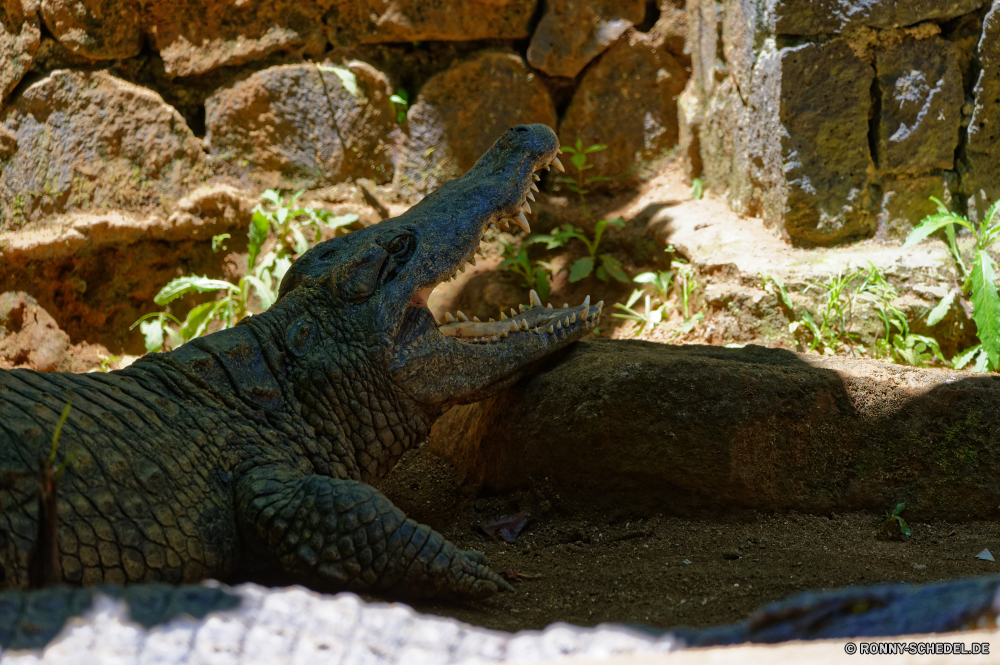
816, 17
673, 25
88, 140
628, 101
461, 111
302, 122
30, 339
920, 87
373, 21
981, 177
96, 29
574, 32
8, 143
906, 201
194, 36
709, 427
20, 34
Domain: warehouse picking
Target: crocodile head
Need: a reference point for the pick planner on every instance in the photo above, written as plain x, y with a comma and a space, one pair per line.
377, 282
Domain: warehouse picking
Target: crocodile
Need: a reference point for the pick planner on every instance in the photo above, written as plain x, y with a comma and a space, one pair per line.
253, 449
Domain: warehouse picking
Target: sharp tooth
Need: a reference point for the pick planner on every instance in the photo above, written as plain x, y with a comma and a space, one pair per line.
520, 307
566, 321
558, 325
513, 326
462, 317
565, 305
535, 177
524, 325
526, 208
503, 317
600, 304
480, 252
494, 227
473, 340
476, 319
549, 305
586, 301
572, 319
472, 260
461, 268
503, 334
559, 150
449, 318
551, 330
535, 300
522, 221
530, 196
556, 163
512, 312
493, 339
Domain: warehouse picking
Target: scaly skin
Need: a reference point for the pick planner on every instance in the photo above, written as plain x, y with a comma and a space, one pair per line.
252, 448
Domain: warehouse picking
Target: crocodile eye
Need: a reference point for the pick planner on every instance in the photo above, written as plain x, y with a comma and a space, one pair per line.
399, 245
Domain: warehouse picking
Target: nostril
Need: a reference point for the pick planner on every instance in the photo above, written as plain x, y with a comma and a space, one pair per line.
521, 128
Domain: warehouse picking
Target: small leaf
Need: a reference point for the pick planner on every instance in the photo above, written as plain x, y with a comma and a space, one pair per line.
645, 278
941, 309
965, 357
196, 322
152, 332
542, 284
986, 303
982, 361
596, 147
346, 76
614, 267
178, 287
636, 294
581, 268
264, 292
601, 274
903, 527
579, 159
597, 178
929, 225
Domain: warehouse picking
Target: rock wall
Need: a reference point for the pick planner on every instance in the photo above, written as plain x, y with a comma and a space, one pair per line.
114, 114
834, 120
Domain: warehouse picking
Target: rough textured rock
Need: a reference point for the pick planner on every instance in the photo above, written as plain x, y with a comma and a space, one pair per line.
372, 21
628, 101
30, 338
90, 140
194, 37
752, 427
673, 24
905, 202
462, 110
20, 34
302, 122
574, 32
982, 175
95, 29
921, 100
816, 17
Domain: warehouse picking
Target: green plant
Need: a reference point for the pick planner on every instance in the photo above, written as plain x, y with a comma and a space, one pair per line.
979, 283
535, 275
291, 228
105, 365
644, 321
697, 189
400, 102
681, 280
830, 328
603, 266
897, 343
894, 525
578, 157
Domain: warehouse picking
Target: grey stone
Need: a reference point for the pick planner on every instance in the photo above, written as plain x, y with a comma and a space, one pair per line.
816, 17
461, 111
88, 140
574, 32
20, 35
981, 180
628, 101
370, 21
302, 123
921, 98
906, 201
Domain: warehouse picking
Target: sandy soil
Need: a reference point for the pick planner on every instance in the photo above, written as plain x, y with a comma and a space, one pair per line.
659, 569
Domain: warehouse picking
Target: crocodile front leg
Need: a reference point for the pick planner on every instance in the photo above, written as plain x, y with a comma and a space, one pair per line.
347, 533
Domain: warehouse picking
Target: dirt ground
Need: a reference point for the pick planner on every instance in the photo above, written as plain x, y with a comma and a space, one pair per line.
604, 563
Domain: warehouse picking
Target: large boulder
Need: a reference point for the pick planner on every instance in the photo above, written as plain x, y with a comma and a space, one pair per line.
193, 36
86, 140
981, 179
819, 17
95, 29
574, 32
20, 35
31, 339
710, 427
461, 111
373, 21
313, 125
628, 101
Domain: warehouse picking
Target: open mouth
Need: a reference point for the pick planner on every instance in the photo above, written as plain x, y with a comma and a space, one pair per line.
533, 318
